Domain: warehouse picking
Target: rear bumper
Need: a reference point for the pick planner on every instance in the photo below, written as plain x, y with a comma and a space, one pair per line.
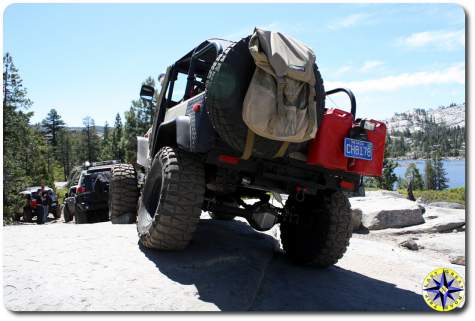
284, 175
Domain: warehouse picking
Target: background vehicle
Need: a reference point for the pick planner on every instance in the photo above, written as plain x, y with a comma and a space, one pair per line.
194, 160
90, 196
30, 209
70, 197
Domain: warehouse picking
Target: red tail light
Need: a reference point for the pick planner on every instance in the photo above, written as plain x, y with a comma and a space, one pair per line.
34, 203
232, 160
347, 185
80, 189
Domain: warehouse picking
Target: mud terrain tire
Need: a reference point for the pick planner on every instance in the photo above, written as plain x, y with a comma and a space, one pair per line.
57, 212
226, 87
27, 214
170, 205
123, 194
322, 232
80, 216
67, 215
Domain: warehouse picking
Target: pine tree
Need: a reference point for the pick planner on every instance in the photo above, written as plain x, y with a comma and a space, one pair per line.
388, 177
106, 145
129, 139
429, 175
90, 140
24, 159
51, 125
65, 151
117, 150
439, 174
412, 173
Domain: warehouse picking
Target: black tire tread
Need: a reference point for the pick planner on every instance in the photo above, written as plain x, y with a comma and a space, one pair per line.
123, 193
322, 234
181, 198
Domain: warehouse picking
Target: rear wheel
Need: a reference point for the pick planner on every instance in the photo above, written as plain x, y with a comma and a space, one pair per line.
170, 205
27, 214
321, 233
80, 216
123, 194
57, 212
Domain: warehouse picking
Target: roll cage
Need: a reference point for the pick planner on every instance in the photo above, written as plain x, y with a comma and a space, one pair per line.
195, 65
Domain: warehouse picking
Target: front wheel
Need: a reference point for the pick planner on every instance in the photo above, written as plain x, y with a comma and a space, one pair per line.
320, 231
170, 205
67, 215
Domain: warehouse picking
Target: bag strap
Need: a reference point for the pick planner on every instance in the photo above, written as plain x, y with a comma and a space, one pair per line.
249, 145
250, 138
282, 150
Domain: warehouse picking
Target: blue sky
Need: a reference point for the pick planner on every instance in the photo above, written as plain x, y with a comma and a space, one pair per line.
90, 59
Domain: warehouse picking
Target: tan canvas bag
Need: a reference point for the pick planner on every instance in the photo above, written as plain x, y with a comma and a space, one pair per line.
280, 101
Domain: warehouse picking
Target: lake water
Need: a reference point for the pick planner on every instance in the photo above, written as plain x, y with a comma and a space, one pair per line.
455, 170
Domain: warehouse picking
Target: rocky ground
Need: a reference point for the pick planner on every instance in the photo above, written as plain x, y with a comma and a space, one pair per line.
229, 266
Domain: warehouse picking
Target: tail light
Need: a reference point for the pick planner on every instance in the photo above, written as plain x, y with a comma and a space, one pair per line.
231, 160
349, 186
80, 189
33, 203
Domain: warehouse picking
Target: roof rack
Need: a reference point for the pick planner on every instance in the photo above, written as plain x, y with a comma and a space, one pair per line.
108, 162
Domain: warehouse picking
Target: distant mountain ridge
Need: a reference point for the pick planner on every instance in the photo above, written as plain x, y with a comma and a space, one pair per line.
415, 119
421, 133
99, 129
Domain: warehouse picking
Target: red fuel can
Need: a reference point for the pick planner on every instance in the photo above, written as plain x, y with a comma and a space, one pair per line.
376, 131
326, 149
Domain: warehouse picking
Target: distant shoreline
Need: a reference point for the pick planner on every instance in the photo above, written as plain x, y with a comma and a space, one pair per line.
424, 159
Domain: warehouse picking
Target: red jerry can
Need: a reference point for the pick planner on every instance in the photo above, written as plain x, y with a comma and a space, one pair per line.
376, 132
326, 149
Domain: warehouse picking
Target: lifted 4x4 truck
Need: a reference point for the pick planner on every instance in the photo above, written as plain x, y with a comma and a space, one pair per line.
193, 160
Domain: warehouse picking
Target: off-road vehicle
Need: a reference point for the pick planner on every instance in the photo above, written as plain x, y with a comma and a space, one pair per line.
33, 200
197, 158
90, 197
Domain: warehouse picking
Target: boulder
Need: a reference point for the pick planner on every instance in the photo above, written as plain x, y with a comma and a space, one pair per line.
410, 245
459, 260
384, 193
447, 205
381, 212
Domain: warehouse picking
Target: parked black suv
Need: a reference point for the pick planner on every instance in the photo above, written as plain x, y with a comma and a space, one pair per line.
90, 196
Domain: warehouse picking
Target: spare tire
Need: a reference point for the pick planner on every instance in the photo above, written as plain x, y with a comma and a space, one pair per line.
226, 87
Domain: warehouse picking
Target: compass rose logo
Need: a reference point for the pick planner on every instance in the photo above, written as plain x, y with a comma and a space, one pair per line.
443, 290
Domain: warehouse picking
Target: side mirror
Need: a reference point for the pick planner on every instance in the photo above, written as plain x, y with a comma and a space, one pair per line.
66, 195
147, 92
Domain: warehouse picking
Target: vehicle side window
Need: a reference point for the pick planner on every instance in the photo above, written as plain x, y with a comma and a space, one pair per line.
179, 88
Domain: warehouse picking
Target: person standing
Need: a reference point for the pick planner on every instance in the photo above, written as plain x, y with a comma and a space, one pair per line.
43, 205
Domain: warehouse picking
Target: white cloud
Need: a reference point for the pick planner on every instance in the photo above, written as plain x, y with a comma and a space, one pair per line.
349, 21
370, 65
448, 40
452, 75
343, 70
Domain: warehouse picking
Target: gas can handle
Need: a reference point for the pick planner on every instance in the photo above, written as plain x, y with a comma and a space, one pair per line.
350, 95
